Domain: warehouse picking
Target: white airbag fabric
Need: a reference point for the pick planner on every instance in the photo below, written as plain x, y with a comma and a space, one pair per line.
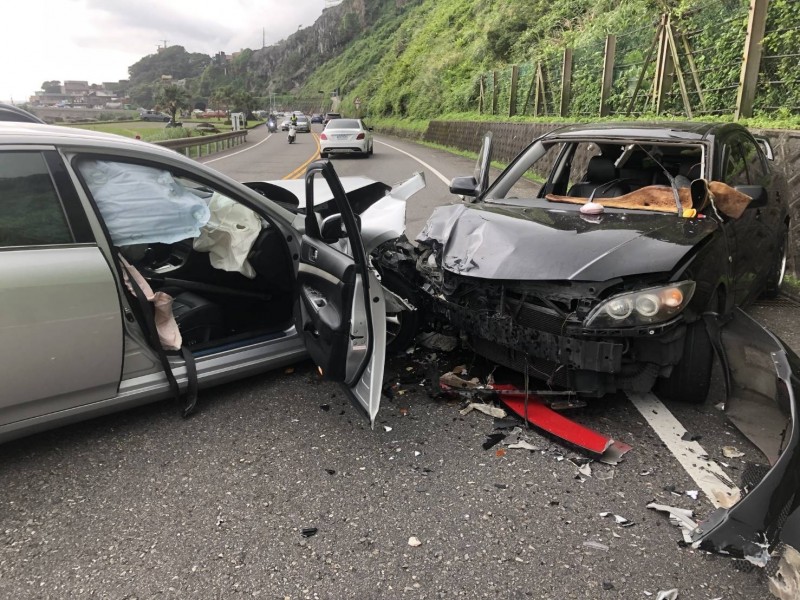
142, 205
229, 235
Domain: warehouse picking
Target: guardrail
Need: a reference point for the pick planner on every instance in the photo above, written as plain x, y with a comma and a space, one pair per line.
195, 147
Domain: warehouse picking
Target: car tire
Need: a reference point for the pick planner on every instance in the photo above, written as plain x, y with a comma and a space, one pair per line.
777, 269
401, 327
691, 378
371, 150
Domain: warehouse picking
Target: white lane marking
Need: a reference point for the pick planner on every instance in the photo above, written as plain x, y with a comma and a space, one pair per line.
205, 162
708, 475
422, 162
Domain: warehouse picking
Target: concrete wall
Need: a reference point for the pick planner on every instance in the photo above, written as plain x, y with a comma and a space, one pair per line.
511, 138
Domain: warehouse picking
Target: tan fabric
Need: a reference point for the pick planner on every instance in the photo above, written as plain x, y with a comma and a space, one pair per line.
168, 333
660, 198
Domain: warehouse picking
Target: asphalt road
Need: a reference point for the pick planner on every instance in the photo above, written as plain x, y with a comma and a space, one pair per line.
144, 504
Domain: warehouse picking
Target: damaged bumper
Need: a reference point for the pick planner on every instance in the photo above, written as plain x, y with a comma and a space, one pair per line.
762, 384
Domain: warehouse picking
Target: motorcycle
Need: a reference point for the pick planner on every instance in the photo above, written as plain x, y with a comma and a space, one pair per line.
292, 133
272, 126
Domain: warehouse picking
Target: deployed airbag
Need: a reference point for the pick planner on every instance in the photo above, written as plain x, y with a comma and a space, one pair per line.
229, 235
142, 205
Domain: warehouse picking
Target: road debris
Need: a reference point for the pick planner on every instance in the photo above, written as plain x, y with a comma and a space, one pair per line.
414, 541
308, 532
487, 409
522, 445
386, 428
595, 545
731, 452
493, 439
619, 519
680, 517
668, 595
437, 341
693, 494
785, 584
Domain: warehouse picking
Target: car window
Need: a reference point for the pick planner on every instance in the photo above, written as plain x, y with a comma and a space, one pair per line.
531, 174
757, 172
344, 124
734, 167
30, 205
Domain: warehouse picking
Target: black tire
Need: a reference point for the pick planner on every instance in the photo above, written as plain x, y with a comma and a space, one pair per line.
691, 377
777, 268
401, 328
371, 150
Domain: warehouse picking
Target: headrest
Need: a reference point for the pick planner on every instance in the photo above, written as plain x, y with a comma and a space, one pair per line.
601, 169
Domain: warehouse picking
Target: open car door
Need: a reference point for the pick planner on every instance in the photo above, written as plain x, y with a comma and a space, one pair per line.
341, 311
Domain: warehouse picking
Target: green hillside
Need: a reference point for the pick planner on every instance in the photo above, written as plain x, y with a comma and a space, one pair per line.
427, 62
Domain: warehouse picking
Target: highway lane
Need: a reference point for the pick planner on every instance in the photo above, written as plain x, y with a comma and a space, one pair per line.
144, 504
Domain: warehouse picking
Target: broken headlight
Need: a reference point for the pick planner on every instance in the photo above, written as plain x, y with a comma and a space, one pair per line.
643, 307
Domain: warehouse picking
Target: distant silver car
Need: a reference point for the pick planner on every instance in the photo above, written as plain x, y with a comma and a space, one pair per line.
346, 136
151, 115
130, 273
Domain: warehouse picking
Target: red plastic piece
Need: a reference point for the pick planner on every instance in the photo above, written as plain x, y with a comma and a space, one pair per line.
542, 416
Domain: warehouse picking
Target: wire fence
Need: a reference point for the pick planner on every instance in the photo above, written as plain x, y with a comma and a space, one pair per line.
687, 65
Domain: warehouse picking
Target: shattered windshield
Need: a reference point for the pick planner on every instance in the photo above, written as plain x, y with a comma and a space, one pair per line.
575, 172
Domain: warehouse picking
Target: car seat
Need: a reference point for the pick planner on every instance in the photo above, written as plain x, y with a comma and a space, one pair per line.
602, 180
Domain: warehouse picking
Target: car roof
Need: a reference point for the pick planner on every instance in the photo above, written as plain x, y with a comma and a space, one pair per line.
18, 133
10, 112
666, 131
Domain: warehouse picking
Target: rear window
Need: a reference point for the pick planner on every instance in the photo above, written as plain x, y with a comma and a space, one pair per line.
30, 205
344, 124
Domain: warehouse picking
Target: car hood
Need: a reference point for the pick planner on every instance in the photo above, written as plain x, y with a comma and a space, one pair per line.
509, 242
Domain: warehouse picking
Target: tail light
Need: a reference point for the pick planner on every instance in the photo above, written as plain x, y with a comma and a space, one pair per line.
360, 136
322, 136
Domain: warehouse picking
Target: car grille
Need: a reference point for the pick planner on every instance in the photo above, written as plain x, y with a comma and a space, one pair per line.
538, 318
537, 367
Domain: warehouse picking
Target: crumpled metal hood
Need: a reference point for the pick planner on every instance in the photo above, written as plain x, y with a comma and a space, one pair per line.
519, 243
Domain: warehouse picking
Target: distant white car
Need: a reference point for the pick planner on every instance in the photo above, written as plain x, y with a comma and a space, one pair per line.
346, 136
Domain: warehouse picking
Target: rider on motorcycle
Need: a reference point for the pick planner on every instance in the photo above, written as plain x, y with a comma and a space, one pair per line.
293, 120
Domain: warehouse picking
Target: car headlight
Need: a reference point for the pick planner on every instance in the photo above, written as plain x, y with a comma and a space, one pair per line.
643, 307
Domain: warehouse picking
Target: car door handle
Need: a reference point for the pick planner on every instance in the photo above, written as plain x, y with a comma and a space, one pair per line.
312, 255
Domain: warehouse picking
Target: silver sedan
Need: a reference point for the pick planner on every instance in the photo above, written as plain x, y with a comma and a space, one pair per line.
346, 136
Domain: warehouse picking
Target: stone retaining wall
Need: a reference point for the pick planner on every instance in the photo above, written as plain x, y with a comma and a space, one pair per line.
511, 138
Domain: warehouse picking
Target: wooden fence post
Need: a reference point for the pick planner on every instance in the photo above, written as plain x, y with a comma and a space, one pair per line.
512, 101
748, 80
664, 67
494, 92
608, 74
566, 82
481, 94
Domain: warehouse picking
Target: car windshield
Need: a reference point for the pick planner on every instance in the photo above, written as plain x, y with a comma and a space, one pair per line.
563, 174
344, 124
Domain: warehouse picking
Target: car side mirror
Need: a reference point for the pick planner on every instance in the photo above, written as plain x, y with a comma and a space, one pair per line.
758, 193
370, 128
464, 186
332, 230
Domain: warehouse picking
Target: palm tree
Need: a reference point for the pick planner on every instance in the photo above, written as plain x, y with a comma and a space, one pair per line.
173, 98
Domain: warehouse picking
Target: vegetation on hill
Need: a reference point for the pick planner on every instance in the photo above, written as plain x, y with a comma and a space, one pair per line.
423, 59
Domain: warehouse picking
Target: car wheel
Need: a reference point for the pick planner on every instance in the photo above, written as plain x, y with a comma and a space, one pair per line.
401, 327
371, 150
777, 268
691, 377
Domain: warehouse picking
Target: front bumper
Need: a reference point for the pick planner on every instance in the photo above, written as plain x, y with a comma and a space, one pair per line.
761, 378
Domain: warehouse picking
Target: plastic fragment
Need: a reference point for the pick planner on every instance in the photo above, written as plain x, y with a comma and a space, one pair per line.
437, 341
680, 517
493, 439
692, 494
307, 532
619, 519
585, 470
500, 452
492, 411
785, 584
667, 595
414, 541
386, 428
522, 445
731, 452
595, 545
607, 585
325, 407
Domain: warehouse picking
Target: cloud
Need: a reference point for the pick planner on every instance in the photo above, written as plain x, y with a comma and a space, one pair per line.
97, 40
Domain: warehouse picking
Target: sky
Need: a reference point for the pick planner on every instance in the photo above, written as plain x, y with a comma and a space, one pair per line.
97, 40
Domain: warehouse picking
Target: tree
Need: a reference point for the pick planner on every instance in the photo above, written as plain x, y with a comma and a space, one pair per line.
173, 98
222, 97
51, 87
